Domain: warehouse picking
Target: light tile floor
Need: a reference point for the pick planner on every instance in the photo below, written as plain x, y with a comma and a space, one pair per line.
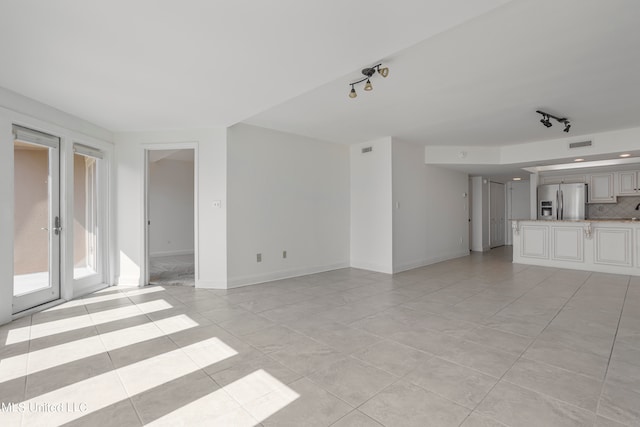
476, 341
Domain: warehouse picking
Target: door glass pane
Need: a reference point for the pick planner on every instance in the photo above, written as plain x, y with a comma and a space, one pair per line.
31, 250
85, 216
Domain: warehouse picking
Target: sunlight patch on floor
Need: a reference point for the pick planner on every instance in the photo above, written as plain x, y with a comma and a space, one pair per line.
52, 327
243, 403
104, 390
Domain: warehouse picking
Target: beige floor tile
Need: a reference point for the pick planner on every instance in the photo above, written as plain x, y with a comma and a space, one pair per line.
622, 374
356, 419
516, 406
478, 420
515, 324
464, 386
392, 357
273, 338
351, 380
606, 422
487, 360
476, 314
66, 374
404, 404
161, 403
246, 324
559, 354
117, 415
313, 408
620, 404
249, 365
505, 341
341, 337
305, 357
558, 383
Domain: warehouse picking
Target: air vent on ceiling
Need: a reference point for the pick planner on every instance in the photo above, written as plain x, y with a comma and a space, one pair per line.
367, 150
579, 144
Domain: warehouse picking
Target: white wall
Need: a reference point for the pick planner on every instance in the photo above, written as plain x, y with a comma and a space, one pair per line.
18, 109
430, 210
371, 206
171, 207
211, 163
285, 193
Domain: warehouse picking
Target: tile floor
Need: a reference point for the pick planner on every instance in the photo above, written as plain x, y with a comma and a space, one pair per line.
475, 341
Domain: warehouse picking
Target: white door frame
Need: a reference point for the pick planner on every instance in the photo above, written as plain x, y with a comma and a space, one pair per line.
23, 303
188, 145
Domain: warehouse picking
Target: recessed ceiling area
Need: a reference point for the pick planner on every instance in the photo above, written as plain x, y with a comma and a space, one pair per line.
481, 82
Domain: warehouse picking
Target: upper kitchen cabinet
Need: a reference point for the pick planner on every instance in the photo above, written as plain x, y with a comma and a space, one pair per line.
627, 183
601, 188
564, 179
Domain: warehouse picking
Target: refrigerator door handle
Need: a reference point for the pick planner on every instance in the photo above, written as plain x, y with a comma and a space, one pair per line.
561, 205
557, 204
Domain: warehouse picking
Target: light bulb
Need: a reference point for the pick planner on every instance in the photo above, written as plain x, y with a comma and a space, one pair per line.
384, 72
352, 93
368, 86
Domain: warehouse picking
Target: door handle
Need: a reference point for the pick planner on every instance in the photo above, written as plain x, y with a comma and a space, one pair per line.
57, 227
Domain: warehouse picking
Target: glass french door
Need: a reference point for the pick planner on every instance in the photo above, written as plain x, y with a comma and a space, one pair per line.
37, 223
87, 216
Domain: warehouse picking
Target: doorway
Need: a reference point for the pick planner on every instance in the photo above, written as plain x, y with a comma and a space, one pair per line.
170, 217
37, 231
497, 211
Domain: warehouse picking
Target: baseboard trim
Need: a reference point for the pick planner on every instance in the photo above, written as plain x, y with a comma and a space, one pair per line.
429, 261
236, 282
171, 253
128, 280
89, 289
378, 268
207, 284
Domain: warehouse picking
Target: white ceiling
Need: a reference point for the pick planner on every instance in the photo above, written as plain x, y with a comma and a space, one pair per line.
171, 64
462, 72
480, 83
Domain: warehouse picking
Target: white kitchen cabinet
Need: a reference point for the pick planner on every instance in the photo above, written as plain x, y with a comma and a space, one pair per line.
592, 245
627, 183
613, 246
601, 188
564, 179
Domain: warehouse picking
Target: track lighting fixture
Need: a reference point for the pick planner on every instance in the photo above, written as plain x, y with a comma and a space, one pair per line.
368, 73
352, 93
547, 123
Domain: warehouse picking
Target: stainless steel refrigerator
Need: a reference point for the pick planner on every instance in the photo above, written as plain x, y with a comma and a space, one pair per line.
562, 201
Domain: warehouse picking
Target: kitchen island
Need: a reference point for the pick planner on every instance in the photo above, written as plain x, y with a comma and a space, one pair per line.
602, 245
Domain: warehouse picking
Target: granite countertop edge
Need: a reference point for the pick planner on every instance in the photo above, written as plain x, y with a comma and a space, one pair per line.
579, 220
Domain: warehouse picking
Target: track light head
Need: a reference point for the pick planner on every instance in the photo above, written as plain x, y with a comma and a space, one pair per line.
545, 120
368, 73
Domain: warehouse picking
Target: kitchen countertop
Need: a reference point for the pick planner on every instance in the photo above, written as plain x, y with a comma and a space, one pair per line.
583, 220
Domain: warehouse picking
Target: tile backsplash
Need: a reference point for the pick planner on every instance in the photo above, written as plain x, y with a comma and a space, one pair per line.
625, 208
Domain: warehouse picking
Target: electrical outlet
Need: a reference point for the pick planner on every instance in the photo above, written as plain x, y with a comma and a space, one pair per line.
284, 254
259, 257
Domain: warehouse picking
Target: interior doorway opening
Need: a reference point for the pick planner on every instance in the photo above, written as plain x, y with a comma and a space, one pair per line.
170, 205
